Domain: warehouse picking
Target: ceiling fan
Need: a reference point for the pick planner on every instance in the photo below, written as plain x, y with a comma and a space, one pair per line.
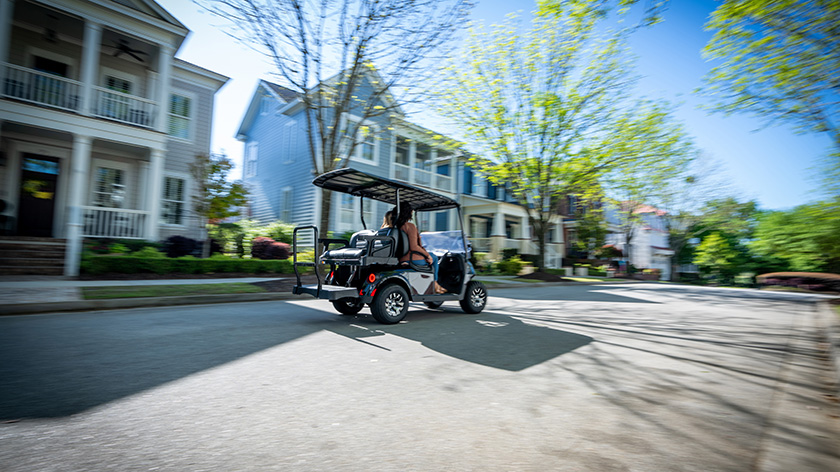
123, 47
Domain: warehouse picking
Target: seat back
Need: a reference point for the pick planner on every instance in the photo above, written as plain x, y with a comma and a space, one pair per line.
361, 243
400, 238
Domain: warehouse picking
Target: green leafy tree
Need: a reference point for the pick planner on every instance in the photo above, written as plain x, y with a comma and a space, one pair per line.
806, 238
591, 228
215, 197
716, 255
781, 61
325, 51
544, 109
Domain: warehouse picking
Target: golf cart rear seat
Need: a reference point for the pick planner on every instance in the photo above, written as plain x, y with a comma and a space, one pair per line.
369, 247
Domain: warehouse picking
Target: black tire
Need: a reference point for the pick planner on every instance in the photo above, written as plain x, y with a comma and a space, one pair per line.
433, 305
348, 306
390, 304
475, 298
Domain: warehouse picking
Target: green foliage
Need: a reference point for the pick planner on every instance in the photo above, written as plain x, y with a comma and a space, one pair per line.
781, 61
803, 239
717, 256
148, 252
97, 265
591, 229
216, 197
511, 266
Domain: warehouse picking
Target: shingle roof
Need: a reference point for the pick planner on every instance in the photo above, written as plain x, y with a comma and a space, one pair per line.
286, 94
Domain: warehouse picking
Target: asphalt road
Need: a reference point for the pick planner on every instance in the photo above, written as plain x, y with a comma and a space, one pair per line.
582, 378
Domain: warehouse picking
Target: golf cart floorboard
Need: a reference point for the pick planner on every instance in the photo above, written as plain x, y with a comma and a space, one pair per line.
328, 292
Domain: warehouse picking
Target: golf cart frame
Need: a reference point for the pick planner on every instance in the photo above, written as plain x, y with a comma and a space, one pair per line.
366, 269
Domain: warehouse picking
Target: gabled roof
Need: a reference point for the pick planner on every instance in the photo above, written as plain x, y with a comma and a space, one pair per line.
264, 88
148, 8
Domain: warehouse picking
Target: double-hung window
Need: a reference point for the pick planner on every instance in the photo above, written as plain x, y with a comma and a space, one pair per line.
173, 203
251, 160
180, 116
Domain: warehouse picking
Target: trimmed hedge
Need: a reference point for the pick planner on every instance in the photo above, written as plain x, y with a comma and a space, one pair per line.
96, 265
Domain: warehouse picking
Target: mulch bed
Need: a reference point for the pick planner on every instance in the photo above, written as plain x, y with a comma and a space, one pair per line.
544, 276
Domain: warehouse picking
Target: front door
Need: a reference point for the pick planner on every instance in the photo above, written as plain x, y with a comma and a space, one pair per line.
36, 206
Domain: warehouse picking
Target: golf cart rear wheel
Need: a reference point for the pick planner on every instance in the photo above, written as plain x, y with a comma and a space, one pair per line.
390, 304
475, 298
348, 306
433, 305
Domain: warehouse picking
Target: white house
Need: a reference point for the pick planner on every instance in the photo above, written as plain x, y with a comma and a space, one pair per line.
98, 122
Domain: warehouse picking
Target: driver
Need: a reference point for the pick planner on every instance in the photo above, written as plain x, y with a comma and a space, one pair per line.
416, 252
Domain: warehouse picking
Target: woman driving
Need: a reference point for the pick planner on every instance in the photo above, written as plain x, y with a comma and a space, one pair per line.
417, 254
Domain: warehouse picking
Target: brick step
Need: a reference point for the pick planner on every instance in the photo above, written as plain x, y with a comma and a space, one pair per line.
31, 270
30, 252
31, 262
30, 240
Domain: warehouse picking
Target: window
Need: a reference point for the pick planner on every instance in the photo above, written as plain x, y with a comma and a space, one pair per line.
348, 216
118, 85
423, 157
402, 151
172, 205
441, 221
479, 186
367, 144
109, 188
180, 116
290, 142
286, 205
265, 105
251, 160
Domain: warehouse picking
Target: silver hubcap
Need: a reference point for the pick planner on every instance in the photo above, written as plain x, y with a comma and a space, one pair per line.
394, 305
477, 297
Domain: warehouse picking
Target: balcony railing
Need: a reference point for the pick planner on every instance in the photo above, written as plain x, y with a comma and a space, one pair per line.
422, 177
102, 222
53, 91
124, 107
41, 88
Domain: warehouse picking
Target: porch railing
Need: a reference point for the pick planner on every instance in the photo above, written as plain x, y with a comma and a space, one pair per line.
40, 88
99, 222
124, 107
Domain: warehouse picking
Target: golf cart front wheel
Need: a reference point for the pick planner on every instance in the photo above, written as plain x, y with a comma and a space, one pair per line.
348, 306
475, 298
390, 304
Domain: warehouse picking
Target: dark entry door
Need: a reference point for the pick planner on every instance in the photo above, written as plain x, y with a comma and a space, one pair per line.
36, 207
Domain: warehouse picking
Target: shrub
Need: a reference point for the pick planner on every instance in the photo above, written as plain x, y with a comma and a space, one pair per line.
118, 248
179, 246
511, 266
186, 265
148, 252
267, 248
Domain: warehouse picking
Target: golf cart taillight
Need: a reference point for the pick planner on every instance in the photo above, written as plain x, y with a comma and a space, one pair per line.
372, 278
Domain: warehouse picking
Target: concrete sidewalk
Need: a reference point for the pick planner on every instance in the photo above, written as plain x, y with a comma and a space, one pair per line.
43, 294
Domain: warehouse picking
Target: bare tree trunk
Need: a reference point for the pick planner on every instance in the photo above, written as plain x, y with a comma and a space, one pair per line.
326, 210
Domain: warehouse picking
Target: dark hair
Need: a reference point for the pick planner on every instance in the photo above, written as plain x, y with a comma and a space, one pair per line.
389, 218
403, 215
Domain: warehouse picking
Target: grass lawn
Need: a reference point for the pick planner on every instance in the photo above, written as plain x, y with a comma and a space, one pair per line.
102, 293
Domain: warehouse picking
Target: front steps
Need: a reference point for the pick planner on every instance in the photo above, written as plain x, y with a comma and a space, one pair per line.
23, 255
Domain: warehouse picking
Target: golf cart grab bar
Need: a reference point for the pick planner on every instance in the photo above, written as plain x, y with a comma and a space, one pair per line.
295, 262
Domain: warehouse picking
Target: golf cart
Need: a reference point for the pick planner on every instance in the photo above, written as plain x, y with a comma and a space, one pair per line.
366, 269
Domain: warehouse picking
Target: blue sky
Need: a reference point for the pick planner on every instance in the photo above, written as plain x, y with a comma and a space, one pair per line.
774, 166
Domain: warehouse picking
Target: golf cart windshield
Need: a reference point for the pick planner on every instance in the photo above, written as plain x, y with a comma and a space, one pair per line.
443, 241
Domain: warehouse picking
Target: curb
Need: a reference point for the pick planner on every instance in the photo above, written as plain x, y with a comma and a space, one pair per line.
829, 322
122, 303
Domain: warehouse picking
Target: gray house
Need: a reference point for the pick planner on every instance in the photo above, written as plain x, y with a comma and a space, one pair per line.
98, 124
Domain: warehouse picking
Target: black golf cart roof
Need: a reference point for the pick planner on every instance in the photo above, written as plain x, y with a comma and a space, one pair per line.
360, 184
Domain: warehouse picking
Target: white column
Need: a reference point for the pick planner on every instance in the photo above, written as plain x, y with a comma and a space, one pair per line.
90, 65
79, 167
164, 72
498, 224
154, 186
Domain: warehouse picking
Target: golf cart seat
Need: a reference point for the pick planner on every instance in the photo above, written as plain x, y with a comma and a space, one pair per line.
368, 247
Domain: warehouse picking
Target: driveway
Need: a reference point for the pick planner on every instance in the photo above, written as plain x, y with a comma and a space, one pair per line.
637, 377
